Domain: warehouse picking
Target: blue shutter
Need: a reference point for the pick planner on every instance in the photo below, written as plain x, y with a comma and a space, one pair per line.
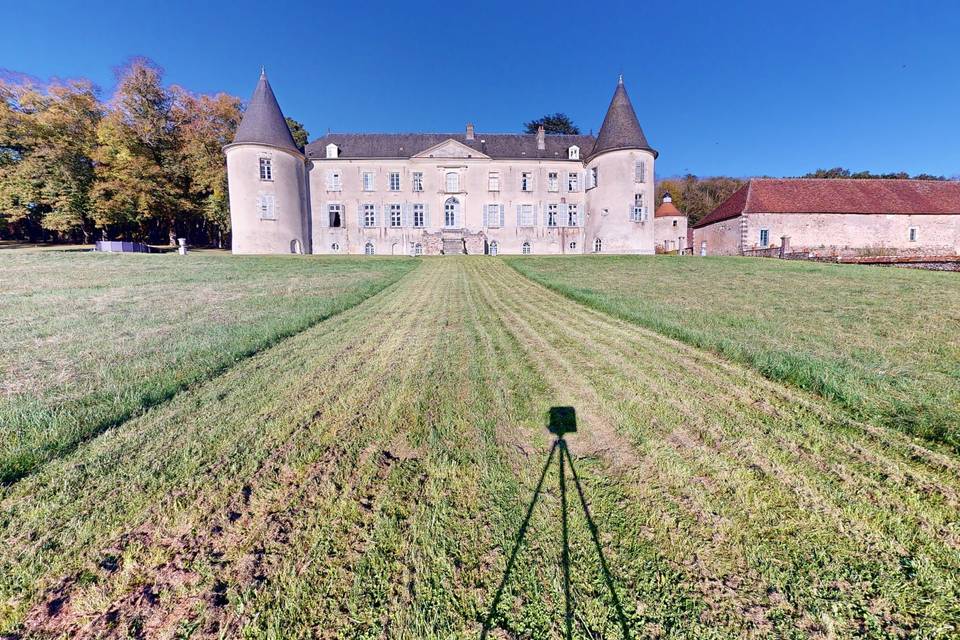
518, 215
426, 216
502, 217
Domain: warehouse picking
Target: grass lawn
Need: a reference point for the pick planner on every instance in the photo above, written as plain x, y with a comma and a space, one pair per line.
882, 342
88, 340
368, 478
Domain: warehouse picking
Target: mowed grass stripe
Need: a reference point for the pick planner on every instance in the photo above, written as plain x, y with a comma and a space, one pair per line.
882, 343
129, 332
583, 353
198, 450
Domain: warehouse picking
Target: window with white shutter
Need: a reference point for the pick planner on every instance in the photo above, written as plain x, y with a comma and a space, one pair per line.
573, 215
526, 181
493, 215
418, 216
335, 210
394, 181
266, 169
369, 215
553, 181
493, 181
553, 211
573, 182
396, 215
418, 181
368, 181
334, 182
526, 215
640, 171
452, 182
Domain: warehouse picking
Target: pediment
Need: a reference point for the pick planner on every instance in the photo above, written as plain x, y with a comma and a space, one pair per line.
450, 148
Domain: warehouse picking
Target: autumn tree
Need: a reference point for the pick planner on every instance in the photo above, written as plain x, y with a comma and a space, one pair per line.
696, 197
553, 124
47, 140
140, 183
205, 124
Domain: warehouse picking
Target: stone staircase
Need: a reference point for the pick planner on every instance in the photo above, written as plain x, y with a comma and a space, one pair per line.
452, 245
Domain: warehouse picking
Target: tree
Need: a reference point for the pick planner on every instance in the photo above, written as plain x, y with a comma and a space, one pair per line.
553, 124
840, 172
299, 133
47, 140
140, 182
696, 197
205, 125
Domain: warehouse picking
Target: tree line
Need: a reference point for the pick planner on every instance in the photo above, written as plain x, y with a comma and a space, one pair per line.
147, 164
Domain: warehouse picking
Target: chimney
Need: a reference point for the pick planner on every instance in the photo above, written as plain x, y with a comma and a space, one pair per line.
469, 131
541, 139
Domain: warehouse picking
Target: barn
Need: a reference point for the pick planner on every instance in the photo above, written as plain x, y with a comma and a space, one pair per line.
835, 217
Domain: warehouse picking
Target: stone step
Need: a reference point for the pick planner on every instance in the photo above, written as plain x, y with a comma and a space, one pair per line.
452, 246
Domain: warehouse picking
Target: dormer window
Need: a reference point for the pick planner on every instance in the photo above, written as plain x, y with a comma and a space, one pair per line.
333, 151
266, 169
573, 153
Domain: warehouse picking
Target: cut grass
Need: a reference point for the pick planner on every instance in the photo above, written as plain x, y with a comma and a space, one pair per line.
90, 340
883, 343
367, 478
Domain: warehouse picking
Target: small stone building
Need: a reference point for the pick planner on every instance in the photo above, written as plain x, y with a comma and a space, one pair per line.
669, 227
835, 217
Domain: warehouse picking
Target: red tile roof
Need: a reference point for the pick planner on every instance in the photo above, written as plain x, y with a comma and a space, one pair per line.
667, 209
809, 195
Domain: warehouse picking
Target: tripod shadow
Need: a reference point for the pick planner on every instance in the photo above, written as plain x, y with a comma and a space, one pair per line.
562, 420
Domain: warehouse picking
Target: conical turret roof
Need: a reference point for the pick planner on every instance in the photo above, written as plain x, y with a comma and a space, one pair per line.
621, 129
263, 121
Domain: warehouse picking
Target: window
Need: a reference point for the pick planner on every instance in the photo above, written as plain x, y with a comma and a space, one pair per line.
334, 182
913, 234
553, 181
573, 245
640, 171
335, 246
594, 178
493, 248
333, 151
266, 206
452, 182
674, 223
573, 182
494, 215
552, 211
394, 181
573, 153
418, 249
396, 218
639, 212
525, 215
266, 169
573, 216
493, 181
418, 181
764, 237
526, 181
368, 249
336, 214
451, 209
369, 215
418, 215
525, 248
597, 245
368, 181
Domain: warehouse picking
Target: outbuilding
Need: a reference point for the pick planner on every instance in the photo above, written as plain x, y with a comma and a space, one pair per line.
835, 217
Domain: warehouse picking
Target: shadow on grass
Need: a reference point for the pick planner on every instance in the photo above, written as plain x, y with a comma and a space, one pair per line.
563, 420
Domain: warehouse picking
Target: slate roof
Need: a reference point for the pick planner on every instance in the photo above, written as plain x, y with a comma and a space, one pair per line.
824, 195
263, 121
406, 145
621, 129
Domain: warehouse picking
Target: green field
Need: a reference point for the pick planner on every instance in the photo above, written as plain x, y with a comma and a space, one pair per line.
89, 340
367, 477
882, 342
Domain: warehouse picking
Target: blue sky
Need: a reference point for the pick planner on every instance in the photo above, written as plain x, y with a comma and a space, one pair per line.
750, 88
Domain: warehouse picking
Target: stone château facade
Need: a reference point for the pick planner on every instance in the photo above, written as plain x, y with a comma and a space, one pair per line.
433, 193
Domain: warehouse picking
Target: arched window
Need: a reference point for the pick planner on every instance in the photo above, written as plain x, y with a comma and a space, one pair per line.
525, 249
573, 245
335, 246
368, 249
493, 248
597, 245
418, 249
451, 212
295, 246
453, 182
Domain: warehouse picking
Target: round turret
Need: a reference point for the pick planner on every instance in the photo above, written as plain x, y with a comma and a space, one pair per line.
266, 175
